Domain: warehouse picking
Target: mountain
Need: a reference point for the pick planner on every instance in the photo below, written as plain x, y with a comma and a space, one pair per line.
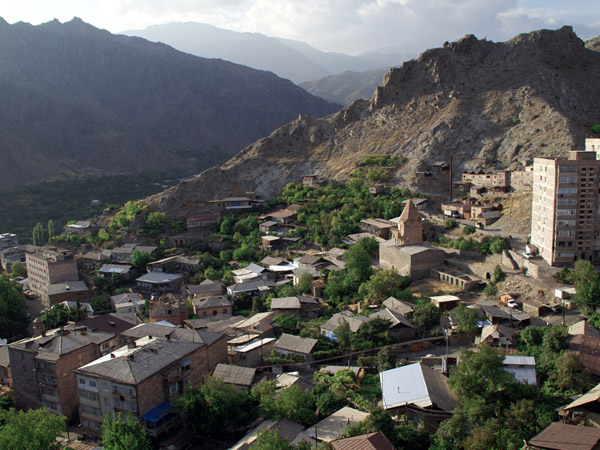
481, 102
294, 60
346, 87
79, 99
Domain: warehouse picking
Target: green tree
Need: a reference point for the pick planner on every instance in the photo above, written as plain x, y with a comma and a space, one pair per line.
343, 335
499, 274
271, 440
358, 264
469, 229
587, 285
304, 283
451, 433
384, 284
467, 318
51, 229
100, 304
13, 320
18, 270
449, 224
140, 259
426, 314
568, 378
596, 128
124, 432
291, 403
386, 359
491, 290
215, 408
36, 429
497, 245
38, 235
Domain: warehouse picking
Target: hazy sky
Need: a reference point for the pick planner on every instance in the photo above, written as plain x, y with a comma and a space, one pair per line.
348, 26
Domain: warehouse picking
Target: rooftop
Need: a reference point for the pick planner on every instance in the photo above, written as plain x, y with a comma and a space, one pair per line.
332, 427
296, 344
232, 374
561, 436
134, 365
159, 277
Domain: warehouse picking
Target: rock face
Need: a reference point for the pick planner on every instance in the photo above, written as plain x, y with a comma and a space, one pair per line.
79, 99
483, 103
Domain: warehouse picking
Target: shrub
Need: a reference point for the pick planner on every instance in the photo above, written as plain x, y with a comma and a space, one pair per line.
469, 229
449, 224
491, 290
596, 128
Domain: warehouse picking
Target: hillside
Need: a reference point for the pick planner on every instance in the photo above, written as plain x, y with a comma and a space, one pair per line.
294, 60
479, 101
76, 99
346, 87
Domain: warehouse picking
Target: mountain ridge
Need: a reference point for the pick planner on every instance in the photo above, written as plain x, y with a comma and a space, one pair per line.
80, 99
481, 102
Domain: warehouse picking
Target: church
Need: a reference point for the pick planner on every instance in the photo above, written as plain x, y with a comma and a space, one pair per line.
405, 252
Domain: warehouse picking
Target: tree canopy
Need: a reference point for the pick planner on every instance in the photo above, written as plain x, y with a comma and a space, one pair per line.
13, 320
36, 429
124, 432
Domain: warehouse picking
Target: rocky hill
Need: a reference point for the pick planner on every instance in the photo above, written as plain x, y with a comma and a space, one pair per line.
346, 87
79, 99
484, 103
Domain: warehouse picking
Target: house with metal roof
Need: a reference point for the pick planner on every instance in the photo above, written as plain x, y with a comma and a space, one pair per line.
418, 391
211, 306
584, 409
288, 429
252, 354
329, 327
369, 441
522, 368
137, 379
398, 306
160, 283
295, 346
333, 426
238, 376
401, 329
562, 436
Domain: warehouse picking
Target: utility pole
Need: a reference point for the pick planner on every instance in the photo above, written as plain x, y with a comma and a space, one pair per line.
450, 180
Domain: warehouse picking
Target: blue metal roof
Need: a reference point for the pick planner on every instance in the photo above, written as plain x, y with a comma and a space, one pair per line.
157, 413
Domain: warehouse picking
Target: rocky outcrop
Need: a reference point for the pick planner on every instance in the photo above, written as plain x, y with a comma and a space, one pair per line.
481, 102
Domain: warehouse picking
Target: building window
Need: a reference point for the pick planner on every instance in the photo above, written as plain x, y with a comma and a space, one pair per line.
82, 381
92, 383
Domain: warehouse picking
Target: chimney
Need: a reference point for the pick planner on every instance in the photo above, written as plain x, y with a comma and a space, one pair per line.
131, 358
131, 344
112, 355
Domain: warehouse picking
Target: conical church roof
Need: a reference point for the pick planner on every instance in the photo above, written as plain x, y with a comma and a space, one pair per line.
410, 212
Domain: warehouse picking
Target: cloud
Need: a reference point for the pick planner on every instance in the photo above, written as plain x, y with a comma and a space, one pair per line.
349, 26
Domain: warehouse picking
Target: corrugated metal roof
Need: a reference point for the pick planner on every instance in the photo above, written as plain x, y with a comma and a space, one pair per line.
232, 374
560, 436
296, 344
332, 427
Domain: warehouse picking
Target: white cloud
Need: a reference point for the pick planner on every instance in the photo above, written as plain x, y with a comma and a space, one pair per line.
349, 26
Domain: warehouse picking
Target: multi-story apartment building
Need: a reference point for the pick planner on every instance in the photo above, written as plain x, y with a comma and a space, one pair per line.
565, 224
42, 367
142, 379
48, 265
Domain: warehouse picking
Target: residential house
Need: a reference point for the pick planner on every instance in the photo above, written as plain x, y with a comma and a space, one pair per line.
377, 227
200, 219
177, 263
295, 346
270, 242
377, 189
47, 266
120, 271
522, 368
238, 376
420, 203
108, 323
235, 204
252, 287
42, 367
312, 262
5, 374
588, 350
93, 259
333, 426
260, 324
418, 391
329, 327
302, 306
399, 307
445, 302
207, 288
497, 336
169, 307
123, 253
310, 180
249, 273
211, 306
369, 441
269, 226
68, 290
8, 240
490, 178
160, 283
81, 227
286, 428
11, 255
585, 409
456, 209
440, 166
128, 303
583, 327
215, 343
400, 327
191, 236
252, 354
503, 316
562, 436
141, 379
286, 380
